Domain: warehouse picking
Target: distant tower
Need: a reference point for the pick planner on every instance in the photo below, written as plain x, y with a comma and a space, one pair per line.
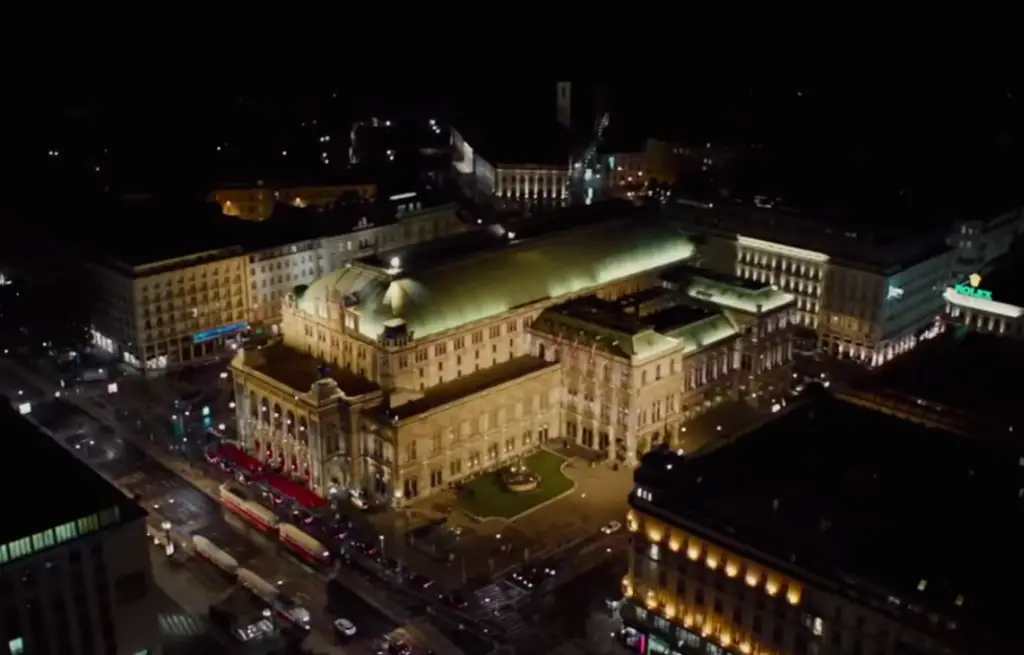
564, 100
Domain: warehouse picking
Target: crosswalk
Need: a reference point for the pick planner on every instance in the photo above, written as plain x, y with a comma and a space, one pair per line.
181, 625
510, 623
131, 479
499, 594
498, 602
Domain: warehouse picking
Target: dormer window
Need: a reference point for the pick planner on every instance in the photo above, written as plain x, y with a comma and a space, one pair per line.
644, 494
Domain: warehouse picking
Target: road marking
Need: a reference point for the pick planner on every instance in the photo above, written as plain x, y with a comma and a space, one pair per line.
133, 478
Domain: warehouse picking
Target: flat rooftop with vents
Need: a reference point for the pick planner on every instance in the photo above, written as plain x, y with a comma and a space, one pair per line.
966, 377
727, 291
300, 371
49, 519
914, 520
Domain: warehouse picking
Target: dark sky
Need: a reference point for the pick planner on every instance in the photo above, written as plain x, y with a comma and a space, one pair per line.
849, 135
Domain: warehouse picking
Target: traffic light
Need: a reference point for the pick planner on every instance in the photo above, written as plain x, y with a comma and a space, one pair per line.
179, 429
177, 404
207, 422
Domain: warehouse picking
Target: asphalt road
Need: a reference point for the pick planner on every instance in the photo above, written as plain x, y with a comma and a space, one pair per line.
192, 511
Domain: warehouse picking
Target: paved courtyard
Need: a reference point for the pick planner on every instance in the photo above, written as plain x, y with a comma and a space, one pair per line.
486, 548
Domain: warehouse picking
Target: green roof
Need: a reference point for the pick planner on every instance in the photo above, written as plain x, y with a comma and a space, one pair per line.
455, 294
594, 323
702, 334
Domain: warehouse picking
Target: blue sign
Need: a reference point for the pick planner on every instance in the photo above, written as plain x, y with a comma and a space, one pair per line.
218, 332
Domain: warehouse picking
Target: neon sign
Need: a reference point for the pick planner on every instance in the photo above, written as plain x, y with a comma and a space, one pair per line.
970, 288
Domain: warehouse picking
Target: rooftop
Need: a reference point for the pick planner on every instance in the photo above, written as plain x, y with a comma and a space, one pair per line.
447, 295
300, 371
1003, 281
726, 291
640, 326
466, 386
40, 457
960, 371
884, 508
833, 233
290, 180
165, 228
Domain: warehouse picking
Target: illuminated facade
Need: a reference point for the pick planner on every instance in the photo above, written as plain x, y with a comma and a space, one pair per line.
469, 364
687, 594
256, 203
274, 272
636, 369
510, 185
171, 312
446, 343
978, 305
865, 303
762, 546
191, 308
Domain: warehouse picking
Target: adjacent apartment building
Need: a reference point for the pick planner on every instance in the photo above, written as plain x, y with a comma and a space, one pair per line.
256, 200
74, 567
163, 308
868, 295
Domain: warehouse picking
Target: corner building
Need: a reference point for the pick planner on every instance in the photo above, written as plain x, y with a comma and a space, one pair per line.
636, 368
403, 382
74, 569
800, 539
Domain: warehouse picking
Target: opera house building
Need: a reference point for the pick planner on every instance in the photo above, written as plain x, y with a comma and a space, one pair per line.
400, 378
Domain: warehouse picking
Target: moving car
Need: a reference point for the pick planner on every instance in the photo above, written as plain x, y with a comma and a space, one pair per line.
418, 581
457, 601
611, 527
344, 628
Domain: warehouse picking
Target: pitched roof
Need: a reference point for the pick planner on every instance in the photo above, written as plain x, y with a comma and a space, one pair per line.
461, 292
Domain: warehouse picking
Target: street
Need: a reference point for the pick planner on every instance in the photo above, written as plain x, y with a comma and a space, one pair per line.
191, 511
128, 437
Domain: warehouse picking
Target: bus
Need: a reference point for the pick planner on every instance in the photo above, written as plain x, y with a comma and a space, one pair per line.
261, 517
303, 545
232, 458
272, 595
211, 553
284, 488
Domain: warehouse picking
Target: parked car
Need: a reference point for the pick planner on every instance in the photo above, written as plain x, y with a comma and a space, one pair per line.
611, 527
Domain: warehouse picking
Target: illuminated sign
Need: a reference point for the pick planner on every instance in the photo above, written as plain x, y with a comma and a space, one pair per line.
218, 332
970, 288
895, 293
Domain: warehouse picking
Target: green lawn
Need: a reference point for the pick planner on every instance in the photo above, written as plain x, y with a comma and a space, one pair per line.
486, 497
